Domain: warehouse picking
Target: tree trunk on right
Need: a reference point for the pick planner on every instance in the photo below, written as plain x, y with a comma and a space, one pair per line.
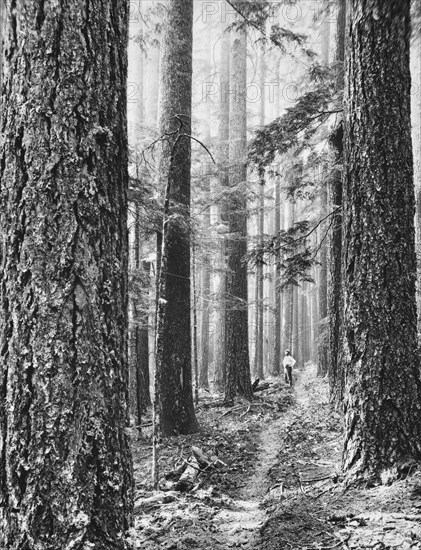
382, 400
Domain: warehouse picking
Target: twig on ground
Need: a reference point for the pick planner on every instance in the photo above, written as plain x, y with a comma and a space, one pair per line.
342, 541
229, 411
323, 492
316, 479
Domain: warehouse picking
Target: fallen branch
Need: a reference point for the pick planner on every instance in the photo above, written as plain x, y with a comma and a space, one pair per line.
188, 477
155, 500
263, 386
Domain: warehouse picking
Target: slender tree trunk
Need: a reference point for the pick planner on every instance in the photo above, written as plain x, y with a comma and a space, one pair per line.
382, 399
194, 327
322, 353
236, 320
142, 345
289, 291
259, 333
335, 303
296, 341
278, 317
66, 474
314, 314
135, 76
152, 85
223, 180
204, 363
206, 282
174, 345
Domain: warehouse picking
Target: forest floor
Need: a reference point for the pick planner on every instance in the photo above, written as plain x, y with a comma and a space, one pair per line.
273, 482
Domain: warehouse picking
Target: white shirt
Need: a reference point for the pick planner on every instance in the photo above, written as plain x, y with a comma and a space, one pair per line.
288, 361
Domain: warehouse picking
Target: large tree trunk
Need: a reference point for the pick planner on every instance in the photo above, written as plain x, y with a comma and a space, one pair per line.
66, 474
382, 399
236, 320
173, 354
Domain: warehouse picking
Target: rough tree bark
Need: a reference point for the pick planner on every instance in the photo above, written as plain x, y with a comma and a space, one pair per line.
236, 321
382, 399
173, 353
66, 474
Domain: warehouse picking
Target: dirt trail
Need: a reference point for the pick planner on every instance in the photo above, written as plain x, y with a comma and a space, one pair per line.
240, 526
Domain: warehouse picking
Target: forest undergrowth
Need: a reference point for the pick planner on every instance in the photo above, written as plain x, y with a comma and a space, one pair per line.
270, 480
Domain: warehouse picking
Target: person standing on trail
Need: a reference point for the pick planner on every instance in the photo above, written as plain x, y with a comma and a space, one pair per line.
288, 362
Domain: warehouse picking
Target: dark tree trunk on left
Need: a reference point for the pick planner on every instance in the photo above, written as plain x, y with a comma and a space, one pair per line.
173, 354
66, 475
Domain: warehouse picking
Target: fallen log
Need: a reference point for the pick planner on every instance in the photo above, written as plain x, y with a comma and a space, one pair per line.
202, 458
188, 477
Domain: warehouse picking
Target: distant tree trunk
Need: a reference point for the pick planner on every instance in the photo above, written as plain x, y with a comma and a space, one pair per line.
304, 327
195, 356
314, 314
219, 375
136, 77
323, 348
206, 285
174, 345
204, 362
139, 336
139, 357
65, 465
259, 336
277, 328
382, 398
142, 346
236, 320
152, 73
296, 341
288, 291
335, 304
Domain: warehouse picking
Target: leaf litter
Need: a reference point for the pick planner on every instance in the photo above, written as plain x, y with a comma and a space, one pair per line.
266, 476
